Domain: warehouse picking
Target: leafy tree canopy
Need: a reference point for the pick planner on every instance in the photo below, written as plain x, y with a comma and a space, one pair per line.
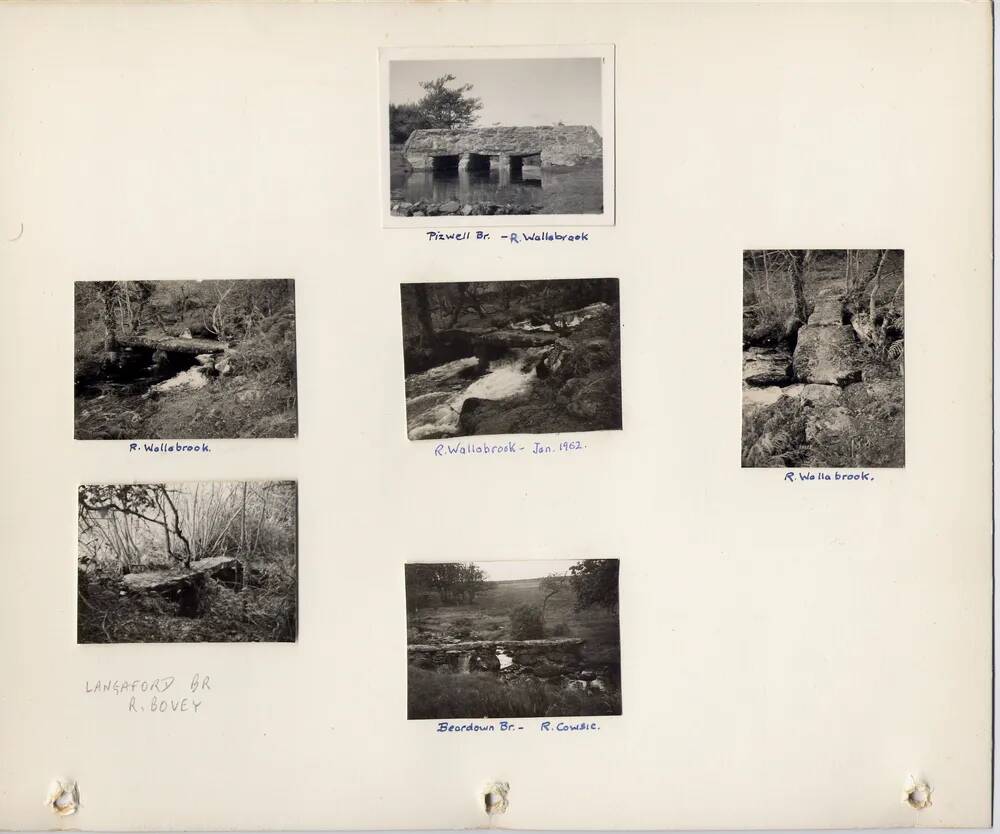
441, 107
595, 582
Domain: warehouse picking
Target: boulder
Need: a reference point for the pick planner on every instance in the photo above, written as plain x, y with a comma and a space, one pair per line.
887, 392
546, 670
224, 365
468, 418
193, 379
589, 397
828, 355
763, 367
821, 393
249, 395
450, 207
827, 419
828, 311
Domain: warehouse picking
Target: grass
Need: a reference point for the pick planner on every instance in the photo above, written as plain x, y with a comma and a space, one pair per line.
439, 693
262, 613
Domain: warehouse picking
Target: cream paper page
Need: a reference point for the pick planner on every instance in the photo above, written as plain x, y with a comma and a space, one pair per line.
792, 653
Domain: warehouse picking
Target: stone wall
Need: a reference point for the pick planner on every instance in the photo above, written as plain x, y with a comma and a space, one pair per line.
560, 145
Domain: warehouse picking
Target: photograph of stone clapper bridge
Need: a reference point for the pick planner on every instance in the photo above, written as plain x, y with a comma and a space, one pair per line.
484, 137
513, 639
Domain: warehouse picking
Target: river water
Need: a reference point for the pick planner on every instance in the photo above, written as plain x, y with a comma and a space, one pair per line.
562, 191
434, 398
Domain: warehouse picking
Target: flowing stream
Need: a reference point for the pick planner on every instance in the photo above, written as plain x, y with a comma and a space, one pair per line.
434, 398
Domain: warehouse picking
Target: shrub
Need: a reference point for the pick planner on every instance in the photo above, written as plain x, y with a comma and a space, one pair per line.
526, 623
775, 435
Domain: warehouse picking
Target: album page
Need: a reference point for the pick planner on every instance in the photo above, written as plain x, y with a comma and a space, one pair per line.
458, 415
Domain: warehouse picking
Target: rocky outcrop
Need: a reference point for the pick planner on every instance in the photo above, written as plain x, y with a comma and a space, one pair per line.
827, 355
766, 366
559, 145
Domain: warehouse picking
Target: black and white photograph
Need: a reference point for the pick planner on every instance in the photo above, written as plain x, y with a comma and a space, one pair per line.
823, 358
511, 357
512, 136
205, 562
513, 639
184, 359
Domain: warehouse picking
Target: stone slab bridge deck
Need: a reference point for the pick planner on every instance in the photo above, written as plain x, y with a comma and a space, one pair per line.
173, 344
546, 656
502, 148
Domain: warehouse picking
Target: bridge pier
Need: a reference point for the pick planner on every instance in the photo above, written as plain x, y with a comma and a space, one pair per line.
500, 161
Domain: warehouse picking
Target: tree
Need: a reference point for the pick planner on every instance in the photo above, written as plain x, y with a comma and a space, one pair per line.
595, 582
424, 315
526, 623
447, 107
108, 292
551, 585
136, 500
452, 581
800, 259
403, 120
471, 580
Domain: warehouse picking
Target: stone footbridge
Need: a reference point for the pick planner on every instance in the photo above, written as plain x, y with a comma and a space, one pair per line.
505, 149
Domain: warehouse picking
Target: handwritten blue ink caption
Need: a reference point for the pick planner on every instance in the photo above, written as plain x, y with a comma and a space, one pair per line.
151, 694
167, 448
793, 477
510, 237
511, 726
511, 447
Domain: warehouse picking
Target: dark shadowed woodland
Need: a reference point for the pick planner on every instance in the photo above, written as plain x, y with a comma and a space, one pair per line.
511, 357
184, 359
823, 355
185, 563
531, 647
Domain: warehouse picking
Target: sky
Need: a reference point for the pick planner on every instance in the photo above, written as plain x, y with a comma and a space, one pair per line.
499, 571
518, 91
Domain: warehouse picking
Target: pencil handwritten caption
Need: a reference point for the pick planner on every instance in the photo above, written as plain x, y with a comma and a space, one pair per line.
502, 726
155, 696
517, 238
506, 449
795, 477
